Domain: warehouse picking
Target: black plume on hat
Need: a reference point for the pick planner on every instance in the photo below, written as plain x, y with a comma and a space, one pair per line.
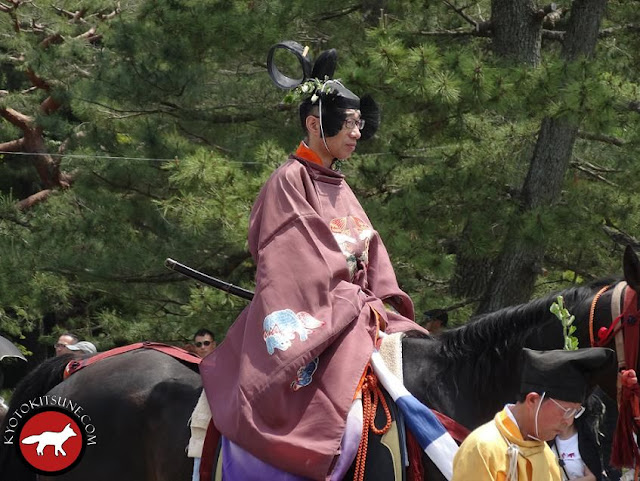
325, 65
563, 375
334, 100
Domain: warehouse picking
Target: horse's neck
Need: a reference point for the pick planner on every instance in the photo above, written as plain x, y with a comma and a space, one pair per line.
470, 372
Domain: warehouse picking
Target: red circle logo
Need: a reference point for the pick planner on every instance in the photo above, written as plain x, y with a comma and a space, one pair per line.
51, 441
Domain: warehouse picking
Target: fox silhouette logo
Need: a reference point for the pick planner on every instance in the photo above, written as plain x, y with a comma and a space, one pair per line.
50, 438
51, 441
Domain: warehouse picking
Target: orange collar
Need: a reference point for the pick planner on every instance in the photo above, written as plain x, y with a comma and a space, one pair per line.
304, 152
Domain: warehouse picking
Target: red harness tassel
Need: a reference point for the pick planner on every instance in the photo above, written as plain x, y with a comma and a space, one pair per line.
415, 471
624, 450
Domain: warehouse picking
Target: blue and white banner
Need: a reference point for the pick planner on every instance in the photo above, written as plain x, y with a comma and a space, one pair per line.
433, 438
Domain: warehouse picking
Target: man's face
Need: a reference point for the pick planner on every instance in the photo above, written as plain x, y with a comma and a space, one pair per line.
204, 345
60, 346
554, 417
343, 144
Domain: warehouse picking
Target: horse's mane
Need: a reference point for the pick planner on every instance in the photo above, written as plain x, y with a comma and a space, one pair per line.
39, 380
501, 330
490, 344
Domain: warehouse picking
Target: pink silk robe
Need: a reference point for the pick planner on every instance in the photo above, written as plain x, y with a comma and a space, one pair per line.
282, 382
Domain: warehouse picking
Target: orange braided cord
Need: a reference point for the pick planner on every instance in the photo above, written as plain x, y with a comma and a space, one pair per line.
592, 313
371, 395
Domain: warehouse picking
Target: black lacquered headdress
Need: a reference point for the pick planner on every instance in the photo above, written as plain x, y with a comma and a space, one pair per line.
316, 86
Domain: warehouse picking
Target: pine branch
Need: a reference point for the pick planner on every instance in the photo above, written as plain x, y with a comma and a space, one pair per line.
108, 16
483, 31
77, 16
90, 35
339, 13
608, 32
11, 11
602, 138
153, 279
34, 199
460, 304
49, 105
37, 81
561, 264
65, 144
583, 167
480, 28
12, 145
202, 139
126, 188
128, 113
460, 11
618, 236
53, 39
20, 120
555, 35
597, 168
15, 220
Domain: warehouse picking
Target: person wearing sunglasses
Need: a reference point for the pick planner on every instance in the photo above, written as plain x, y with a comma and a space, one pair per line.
204, 341
64, 340
553, 388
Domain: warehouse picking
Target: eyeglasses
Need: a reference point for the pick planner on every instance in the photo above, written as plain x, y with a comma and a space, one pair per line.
203, 343
59, 345
350, 123
569, 412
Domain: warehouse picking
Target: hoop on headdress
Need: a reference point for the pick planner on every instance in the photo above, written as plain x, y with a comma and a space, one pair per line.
281, 80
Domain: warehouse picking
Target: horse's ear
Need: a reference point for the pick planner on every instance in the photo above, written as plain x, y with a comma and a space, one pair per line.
631, 266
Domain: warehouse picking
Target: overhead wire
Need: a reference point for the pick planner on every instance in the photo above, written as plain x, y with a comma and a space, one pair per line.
111, 157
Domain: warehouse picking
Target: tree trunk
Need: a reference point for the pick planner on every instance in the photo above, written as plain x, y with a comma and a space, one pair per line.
517, 30
517, 33
520, 261
472, 271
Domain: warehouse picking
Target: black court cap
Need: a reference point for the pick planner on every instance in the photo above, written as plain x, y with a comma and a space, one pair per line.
563, 375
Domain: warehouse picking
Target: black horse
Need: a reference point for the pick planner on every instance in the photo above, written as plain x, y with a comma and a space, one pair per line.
140, 401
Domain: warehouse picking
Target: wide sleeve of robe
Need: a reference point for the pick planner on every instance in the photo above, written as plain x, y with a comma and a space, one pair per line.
281, 383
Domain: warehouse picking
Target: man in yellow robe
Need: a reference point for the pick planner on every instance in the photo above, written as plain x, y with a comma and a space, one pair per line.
512, 446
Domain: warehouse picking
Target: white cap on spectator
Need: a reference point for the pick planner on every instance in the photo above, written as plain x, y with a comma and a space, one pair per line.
83, 346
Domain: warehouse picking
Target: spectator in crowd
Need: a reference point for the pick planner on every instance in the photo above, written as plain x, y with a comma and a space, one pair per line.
204, 341
63, 341
435, 321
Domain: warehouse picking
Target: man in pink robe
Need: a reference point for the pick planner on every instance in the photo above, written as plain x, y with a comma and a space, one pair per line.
282, 382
